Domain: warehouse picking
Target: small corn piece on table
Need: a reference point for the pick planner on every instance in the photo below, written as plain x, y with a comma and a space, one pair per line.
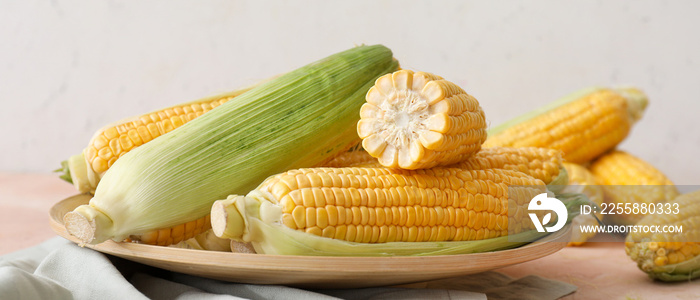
629, 179
670, 256
419, 120
583, 125
343, 211
111, 142
174, 179
541, 163
583, 182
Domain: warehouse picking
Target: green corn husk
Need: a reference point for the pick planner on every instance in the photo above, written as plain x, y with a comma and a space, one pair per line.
559, 183
299, 119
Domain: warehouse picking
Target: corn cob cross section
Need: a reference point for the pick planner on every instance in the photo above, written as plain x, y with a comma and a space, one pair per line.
419, 120
583, 125
379, 205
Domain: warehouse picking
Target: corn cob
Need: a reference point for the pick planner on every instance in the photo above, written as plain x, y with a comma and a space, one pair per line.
86, 183
628, 179
582, 181
669, 256
175, 179
543, 164
174, 234
358, 158
377, 205
185, 232
419, 120
111, 142
583, 125
85, 172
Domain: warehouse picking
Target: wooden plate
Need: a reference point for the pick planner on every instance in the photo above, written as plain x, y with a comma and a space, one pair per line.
311, 271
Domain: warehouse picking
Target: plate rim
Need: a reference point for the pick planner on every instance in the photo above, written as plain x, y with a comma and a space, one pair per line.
163, 257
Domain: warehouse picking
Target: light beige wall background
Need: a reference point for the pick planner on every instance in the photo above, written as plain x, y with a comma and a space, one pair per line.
69, 67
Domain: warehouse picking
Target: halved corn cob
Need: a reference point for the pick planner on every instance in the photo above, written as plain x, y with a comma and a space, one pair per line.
114, 140
301, 118
583, 182
669, 256
419, 120
376, 205
583, 125
628, 179
541, 163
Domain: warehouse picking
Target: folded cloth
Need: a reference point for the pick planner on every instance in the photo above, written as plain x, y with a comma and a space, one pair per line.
59, 269
500, 286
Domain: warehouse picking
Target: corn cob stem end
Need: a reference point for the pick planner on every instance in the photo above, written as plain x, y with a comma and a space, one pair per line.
83, 222
65, 170
226, 219
637, 101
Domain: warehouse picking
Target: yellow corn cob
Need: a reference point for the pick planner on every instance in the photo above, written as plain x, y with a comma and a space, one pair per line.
380, 205
628, 179
419, 120
583, 125
86, 169
113, 141
176, 234
302, 118
582, 181
173, 235
543, 164
179, 233
357, 158
669, 256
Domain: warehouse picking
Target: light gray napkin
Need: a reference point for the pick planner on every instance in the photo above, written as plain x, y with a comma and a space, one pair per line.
500, 286
59, 269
